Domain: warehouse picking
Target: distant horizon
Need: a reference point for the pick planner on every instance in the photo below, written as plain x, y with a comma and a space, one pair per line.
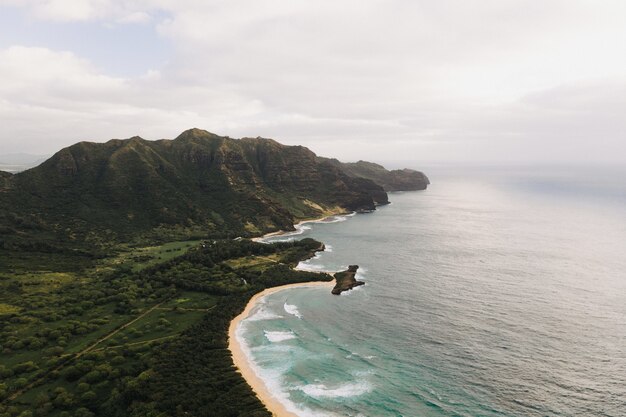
19, 159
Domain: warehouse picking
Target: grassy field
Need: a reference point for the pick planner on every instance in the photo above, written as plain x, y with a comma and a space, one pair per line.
138, 258
156, 325
191, 300
8, 309
49, 317
255, 262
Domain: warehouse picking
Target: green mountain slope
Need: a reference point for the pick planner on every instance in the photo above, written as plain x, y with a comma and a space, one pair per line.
395, 180
198, 184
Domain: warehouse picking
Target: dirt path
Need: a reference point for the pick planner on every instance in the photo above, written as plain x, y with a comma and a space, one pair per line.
82, 352
184, 309
135, 343
114, 332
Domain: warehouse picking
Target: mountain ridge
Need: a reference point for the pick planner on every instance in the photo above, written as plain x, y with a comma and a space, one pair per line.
391, 180
198, 184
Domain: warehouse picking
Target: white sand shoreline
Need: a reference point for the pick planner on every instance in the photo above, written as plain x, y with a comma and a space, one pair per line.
300, 223
241, 360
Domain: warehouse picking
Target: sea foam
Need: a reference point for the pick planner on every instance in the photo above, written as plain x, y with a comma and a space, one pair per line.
273, 379
278, 336
293, 310
302, 228
263, 314
344, 390
306, 266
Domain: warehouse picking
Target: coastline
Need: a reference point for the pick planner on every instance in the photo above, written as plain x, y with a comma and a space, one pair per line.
241, 360
300, 223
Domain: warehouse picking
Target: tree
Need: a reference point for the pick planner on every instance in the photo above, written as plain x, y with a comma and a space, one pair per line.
24, 367
83, 412
20, 382
72, 373
88, 397
63, 399
83, 387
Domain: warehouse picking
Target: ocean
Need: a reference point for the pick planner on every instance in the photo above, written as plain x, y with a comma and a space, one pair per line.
492, 293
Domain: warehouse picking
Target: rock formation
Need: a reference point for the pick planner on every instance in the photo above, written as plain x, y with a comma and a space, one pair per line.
346, 280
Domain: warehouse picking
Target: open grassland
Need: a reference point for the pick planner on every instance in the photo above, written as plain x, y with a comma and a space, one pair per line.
253, 262
156, 325
8, 309
138, 258
190, 300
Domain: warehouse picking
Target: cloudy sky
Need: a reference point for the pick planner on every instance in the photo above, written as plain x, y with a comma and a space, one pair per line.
446, 81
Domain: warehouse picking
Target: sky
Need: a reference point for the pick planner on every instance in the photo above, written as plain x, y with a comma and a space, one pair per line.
393, 81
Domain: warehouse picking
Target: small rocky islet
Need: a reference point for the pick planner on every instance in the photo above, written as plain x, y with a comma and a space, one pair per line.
346, 280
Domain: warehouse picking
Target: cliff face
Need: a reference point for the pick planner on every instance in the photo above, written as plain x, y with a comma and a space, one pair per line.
198, 181
395, 180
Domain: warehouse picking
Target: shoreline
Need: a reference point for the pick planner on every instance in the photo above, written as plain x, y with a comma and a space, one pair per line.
300, 223
243, 363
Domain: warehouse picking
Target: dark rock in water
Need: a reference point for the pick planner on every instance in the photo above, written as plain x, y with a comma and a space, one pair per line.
346, 280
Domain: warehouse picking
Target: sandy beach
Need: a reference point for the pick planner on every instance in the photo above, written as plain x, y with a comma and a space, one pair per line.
300, 223
241, 360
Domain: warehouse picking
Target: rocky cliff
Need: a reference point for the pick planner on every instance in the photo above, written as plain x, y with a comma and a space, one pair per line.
199, 183
395, 180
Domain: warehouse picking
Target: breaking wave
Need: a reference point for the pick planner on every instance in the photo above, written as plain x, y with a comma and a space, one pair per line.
293, 310
278, 336
344, 390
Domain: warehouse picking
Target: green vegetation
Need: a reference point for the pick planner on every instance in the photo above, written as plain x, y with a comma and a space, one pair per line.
121, 268
90, 197
395, 180
134, 337
139, 258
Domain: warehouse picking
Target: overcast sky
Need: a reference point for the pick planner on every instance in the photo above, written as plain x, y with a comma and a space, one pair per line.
445, 81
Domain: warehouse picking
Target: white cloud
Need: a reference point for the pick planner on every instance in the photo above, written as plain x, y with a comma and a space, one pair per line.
40, 76
53, 98
445, 80
123, 11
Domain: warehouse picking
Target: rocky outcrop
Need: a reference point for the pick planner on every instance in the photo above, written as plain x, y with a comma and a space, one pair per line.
405, 180
395, 180
346, 280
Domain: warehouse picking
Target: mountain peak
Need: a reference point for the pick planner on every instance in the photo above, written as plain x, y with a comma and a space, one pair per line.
195, 133
197, 183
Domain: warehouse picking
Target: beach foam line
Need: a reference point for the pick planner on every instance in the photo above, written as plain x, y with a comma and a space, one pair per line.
278, 336
301, 227
243, 360
264, 314
304, 266
344, 390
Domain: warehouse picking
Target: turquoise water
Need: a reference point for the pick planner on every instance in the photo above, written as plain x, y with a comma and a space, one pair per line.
485, 296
